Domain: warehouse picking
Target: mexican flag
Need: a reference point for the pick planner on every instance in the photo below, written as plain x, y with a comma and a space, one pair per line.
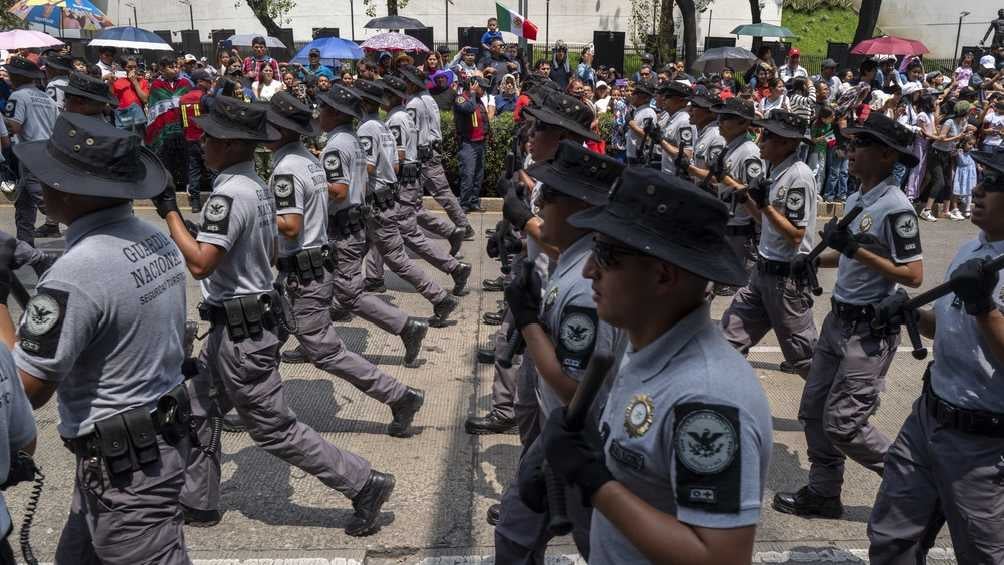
515, 23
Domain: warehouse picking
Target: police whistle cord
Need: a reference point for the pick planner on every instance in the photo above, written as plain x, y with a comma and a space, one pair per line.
24, 536
575, 420
810, 271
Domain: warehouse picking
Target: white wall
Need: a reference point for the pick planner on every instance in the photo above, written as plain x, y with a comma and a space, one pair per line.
936, 22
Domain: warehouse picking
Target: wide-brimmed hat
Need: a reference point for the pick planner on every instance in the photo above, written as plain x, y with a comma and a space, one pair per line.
785, 124
394, 85
566, 112
58, 62
578, 172
231, 118
668, 218
705, 100
644, 87
891, 133
368, 89
86, 86
23, 67
343, 99
540, 89
412, 74
993, 169
736, 107
674, 89
285, 111
88, 156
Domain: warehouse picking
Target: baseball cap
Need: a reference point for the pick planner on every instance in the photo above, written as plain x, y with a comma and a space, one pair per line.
189, 58
794, 52
829, 64
988, 62
314, 51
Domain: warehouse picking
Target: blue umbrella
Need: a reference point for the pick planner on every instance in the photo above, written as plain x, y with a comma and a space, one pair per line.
125, 37
332, 49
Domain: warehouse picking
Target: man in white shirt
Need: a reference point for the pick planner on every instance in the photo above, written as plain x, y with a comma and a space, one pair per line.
993, 127
792, 68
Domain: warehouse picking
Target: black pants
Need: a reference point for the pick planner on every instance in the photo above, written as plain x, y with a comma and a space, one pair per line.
938, 180
6, 553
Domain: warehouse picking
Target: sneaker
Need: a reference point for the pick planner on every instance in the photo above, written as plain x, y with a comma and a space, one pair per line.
927, 216
956, 215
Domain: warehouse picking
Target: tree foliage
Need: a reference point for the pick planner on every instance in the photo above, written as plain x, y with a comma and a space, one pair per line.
393, 6
271, 13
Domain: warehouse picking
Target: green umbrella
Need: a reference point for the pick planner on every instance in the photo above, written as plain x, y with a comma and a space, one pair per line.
763, 30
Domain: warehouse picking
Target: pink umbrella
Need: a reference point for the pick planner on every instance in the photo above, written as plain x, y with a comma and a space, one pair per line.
392, 41
891, 45
26, 39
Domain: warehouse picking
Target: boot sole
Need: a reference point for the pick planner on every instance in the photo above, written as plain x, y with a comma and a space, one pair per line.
405, 431
370, 527
475, 431
830, 514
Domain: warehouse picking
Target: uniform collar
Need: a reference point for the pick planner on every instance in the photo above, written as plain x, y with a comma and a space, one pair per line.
374, 116
569, 258
654, 357
996, 246
736, 143
878, 191
707, 126
342, 128
244, 168
784, 166
86, 224
289, 148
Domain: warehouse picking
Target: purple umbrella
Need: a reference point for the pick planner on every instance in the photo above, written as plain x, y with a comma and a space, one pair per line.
391, 41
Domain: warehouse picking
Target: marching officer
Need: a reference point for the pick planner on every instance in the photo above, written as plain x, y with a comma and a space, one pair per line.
29, 116
238, 365
879, 250
104, 332
709, 145
306, 263
945, 465
777, 297
473, 130
674, 124
382, 229
686, 430
344, 165
409, 193
57, 70
84, 94
641, 119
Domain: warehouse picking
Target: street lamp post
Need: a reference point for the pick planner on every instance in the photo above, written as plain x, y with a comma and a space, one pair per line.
958, 34
135, 15
191, 12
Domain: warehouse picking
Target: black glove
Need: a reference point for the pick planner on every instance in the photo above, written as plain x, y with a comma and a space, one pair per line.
7, 245
523, 298
974, 285
839, 239
166, 201
889, 311
572, 458
515, 210
655, 134
683, 164
801, 264
758, 194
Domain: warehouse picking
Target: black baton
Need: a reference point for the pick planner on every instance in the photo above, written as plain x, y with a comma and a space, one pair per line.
810, 271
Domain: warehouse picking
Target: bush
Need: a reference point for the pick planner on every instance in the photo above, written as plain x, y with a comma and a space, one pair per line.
495, 150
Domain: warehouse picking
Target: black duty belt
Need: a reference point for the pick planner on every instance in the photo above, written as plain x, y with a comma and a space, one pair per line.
976, 422
243, 316
307, 264
425, 152
383, 198
852, 312
769, 267
740, 230
346, 222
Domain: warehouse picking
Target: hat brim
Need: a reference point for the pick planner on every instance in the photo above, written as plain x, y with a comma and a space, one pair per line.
413, 79
988, 160
107, 99
58, 67
24, 73
716, 262
366, 95
551, 118
395, 92
215, 129
782, 130
701, 103
50, 171
313, 128
570, 184
721, 110
347, 110
906, 155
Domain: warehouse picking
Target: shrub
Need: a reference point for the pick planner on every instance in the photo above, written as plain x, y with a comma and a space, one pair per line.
495, 151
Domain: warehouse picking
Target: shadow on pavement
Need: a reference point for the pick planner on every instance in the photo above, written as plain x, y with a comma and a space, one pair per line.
787, 475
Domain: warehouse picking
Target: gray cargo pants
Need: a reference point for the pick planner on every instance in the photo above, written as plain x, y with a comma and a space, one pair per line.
245, 375
26, 207
434, 223
385, 238
414, 239
773, 302
504, 383
325, 349
129, 519
934, 474
840, 395
350, 251
433, 179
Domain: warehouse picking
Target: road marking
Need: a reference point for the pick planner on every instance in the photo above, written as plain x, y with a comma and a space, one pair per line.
777, 349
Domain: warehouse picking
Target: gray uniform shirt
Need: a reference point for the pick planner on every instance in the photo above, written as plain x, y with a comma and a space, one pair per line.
405, 132
417, 112
676, 122
709, 147
239, 217
738, 155
890, 218
432, 116
57, 94
345, 163
687, 428
300, 187
380, 150
793, 193
107, 323
633, 141
965, 371
17, 424
569, 313
34, 110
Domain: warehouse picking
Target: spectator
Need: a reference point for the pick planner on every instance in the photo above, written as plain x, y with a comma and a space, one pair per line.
828, 76
79, 65
993, 126
266, 86
523, 100
964, 72
645, 74
473, 129
646, 61
728, 80
666, 74
602, 98
164, 133
965, 180
505, 100
835, 188
106, 61
492, 34
924, 129
188, 66
887, 74
761, 76
487, 98
799, 101
775, 99
222, 64
823, 139
939, 169
618, 137
868, 74
191, 107
132, 92
432, 64
584, 71
258, 60
766, 60
792, 68
494, 59
512, 55
288, 80
314, 67
824, 94
442, 90
347, 79
323, 83
543, 69
560, 73
464, 64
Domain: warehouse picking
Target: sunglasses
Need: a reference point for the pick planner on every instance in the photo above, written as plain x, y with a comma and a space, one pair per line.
606, 254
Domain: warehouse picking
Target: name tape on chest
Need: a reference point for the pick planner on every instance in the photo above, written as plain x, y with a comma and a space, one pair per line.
42, 322
216, 214
707, 446
284, 189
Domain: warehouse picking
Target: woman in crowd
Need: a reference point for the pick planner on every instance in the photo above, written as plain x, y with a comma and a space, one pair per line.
266, 86
776, 99
924, 106
964, 72
347, 78
938, 183
505, 100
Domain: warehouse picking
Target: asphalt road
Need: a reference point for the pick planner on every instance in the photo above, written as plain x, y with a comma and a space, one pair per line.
446, 479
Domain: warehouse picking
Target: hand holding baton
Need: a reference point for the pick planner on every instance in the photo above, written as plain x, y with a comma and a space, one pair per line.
810, 269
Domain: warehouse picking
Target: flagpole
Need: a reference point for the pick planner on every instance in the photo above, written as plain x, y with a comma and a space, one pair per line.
523, 5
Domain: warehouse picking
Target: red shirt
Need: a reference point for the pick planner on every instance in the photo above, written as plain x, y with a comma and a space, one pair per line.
191, 106
479, 120
521, 102
126, 93
252, 67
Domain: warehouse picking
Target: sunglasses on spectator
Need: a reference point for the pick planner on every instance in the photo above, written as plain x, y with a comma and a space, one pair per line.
607, 254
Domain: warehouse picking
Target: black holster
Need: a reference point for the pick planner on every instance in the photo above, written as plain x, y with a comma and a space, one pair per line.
244, 316
425, 152
346, 222
307, 265
383, 199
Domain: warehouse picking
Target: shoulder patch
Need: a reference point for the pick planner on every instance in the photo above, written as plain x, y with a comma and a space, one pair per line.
51, 91
333, 166
714, 153
10, 108
414, 114
42, 322
794, 203
216, 214
905, 234
576, 336
284, 189
753, 169
686, 135
707, 444
398, 135
366, 142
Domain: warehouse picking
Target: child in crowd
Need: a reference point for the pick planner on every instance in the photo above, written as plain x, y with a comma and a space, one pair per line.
823, 139
965, 180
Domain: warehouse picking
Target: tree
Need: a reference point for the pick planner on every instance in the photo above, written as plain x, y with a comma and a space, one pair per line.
755, 19
689, 11
867, 19
271, 13
641, 27
393, 6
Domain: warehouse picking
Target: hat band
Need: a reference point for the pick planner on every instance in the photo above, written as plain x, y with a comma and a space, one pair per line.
127, 169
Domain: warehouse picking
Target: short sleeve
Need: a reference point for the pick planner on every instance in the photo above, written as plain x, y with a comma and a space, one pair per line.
58, 324
16, 109
336, 166
221, 222
369, 145
288, 191
903, 231
21, 425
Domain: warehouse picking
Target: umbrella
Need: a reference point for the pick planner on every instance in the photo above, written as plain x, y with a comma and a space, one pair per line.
332, 49
125, 37
26, 39
392, 41
891, 45
762, 30
245, 39
394, 22
62, 14
715, 60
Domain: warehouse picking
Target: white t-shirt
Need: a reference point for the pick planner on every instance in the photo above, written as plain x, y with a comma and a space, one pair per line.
267, 91
996, 122
488, 100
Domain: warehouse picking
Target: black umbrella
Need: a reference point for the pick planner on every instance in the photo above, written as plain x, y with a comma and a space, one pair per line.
394, 22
